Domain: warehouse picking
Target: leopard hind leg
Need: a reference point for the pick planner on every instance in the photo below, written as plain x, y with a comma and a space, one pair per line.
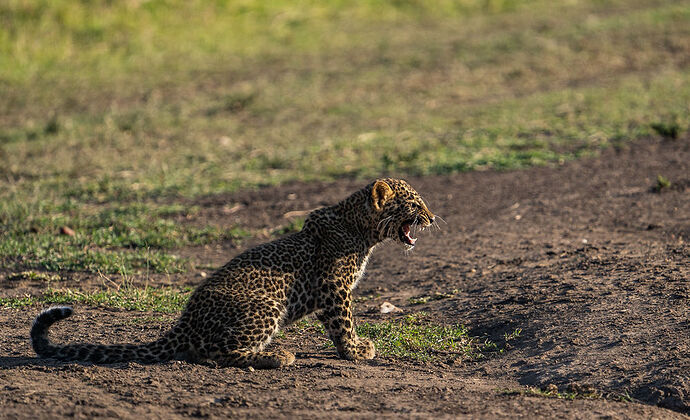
256, 359
243, 344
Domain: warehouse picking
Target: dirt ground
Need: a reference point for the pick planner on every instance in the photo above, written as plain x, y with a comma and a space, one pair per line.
585, 258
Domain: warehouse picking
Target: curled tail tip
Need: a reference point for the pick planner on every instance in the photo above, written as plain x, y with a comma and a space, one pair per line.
62, 309
39, 329
52, 314
56, 313
65, 311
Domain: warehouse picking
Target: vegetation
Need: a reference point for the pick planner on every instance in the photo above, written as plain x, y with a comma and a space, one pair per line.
662, 183
146, 299
573, 392
112, 239
415, 337
111, 111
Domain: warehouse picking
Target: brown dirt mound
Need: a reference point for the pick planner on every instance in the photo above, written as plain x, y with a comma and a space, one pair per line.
587, 259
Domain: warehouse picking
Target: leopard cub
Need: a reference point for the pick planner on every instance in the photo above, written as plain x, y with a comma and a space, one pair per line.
233, 314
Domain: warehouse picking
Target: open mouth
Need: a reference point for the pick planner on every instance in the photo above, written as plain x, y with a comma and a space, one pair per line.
405, 234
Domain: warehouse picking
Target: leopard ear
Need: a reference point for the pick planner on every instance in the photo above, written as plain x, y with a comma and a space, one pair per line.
381, 193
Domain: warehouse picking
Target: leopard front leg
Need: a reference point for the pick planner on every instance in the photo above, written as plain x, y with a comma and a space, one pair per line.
336, 317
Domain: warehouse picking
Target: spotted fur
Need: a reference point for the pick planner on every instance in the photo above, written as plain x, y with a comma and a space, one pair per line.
233, 314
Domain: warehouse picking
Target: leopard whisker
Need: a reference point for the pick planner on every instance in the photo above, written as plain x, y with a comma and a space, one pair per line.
438, 218
388, 227
380, 224
383, 226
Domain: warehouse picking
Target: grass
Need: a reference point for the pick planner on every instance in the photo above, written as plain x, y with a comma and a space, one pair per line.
33, 275
130, 298
109, 238
662, 183
416, 337
551, 391
111, 111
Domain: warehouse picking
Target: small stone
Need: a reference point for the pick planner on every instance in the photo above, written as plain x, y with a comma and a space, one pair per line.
203, 274
250, 369
233, 209
225, 141
387, 307
64, 230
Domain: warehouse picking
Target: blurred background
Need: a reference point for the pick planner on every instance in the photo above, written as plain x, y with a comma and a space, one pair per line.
113, 113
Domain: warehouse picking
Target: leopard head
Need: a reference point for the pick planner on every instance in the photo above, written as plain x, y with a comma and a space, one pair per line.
399, 211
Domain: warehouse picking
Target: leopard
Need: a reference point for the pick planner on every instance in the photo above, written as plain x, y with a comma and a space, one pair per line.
235, 312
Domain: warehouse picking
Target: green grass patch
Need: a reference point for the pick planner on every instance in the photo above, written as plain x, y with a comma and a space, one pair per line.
108, 238
57, 253
416, 337
130, 298
35, 276
115, 36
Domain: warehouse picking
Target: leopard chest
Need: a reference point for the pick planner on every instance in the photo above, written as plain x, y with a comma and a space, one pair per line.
361, 269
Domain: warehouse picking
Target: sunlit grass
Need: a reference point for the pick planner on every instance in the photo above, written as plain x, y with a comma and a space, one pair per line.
414, 337
130, 298
123, 37
417, 338
108, 239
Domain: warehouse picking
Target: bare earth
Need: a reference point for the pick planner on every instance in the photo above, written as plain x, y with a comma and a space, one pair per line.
585, 258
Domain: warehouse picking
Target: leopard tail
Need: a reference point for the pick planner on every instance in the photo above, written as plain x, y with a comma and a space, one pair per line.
157, 351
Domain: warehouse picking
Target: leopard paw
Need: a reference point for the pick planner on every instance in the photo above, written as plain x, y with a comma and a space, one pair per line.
364, 349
